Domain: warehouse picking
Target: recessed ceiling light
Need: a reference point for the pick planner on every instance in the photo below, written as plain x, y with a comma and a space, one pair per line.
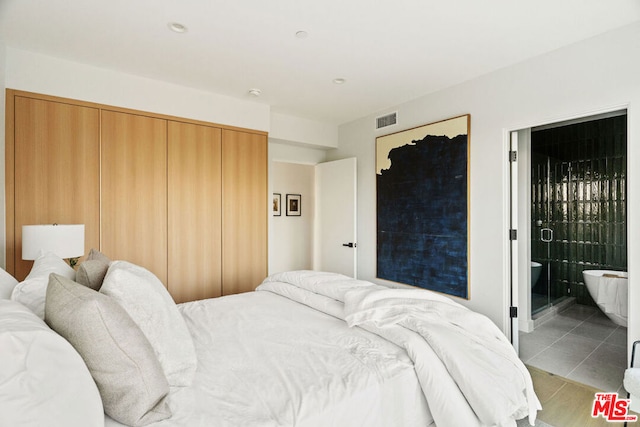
301, 34
339, 81
255, 92
177, 27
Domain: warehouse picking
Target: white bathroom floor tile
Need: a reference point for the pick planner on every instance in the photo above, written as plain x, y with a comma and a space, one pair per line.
618, 337
557, 327
603, 369
564, 355
554, 361
601, 377
579, 343
600, 318
597, 331
578, 312
533, 343
575, 346
609, 355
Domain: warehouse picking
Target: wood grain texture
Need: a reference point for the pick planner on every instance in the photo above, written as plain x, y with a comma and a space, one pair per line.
194, 211
564, 402
9, 183
109, 168
56, 150
134, 190
245, 211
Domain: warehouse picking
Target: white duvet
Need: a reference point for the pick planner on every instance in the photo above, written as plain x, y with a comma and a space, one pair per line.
265, 360
469, 373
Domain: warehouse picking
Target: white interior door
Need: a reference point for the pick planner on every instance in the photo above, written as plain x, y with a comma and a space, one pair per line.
335, 247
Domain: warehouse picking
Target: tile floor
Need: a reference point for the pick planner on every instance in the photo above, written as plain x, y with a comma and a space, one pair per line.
581, 344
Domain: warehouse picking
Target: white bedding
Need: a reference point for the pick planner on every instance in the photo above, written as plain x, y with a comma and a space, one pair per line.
470, 374
285, 356
265, 360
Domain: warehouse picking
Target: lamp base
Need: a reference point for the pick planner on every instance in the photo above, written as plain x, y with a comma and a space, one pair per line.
73, 262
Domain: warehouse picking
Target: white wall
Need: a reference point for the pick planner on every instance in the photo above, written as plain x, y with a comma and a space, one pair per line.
38, 73
591, 76
304, 132
286, 161
291, 237
279, 152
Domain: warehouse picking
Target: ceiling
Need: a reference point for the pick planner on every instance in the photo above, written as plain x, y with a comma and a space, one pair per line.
387, 51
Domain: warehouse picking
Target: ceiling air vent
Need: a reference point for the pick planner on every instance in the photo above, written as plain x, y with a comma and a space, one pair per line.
387, 120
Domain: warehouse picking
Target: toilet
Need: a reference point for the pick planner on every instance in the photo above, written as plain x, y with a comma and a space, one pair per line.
536, 269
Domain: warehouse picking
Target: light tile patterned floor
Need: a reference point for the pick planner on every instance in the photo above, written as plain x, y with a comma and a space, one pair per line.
580, 344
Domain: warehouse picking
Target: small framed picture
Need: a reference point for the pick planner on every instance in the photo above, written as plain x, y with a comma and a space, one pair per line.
277, 204
294, 207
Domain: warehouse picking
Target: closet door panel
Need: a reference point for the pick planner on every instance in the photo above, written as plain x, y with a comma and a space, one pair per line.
134, 190
56, 158
244, 211
195, 211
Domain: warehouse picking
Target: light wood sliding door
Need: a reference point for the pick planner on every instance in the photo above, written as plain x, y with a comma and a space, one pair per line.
56, 166
195, 211
183, 198
134, 190
244, 210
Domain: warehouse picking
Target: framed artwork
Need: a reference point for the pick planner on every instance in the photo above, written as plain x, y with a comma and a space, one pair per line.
276, 204
294, 207
422, 181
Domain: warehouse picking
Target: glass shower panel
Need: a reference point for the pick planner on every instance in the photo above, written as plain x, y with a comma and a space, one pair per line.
540, 230
578, 194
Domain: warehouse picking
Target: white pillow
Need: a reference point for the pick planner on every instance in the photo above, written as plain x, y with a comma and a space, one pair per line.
7, 284
32, 291
43, 380
147, 301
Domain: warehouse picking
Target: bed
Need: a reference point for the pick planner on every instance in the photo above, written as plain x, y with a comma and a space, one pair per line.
305, 349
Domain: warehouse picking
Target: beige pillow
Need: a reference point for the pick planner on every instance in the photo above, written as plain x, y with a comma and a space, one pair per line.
91, 273
96, 255
121, 361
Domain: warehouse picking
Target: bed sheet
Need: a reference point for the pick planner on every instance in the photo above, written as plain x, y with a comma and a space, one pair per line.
264, 360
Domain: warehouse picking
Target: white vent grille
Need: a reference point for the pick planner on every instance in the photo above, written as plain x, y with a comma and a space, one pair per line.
387, 120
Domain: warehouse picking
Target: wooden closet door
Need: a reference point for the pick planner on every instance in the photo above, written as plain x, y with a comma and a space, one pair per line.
195, 211
56, 155
134, 190
244, 211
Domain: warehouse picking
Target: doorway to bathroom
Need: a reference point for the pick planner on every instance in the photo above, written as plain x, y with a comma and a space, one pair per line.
573, 202
578, 207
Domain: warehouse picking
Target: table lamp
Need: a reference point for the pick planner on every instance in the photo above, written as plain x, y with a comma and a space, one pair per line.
66, 241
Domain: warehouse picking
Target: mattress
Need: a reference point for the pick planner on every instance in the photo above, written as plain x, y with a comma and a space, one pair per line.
265, 360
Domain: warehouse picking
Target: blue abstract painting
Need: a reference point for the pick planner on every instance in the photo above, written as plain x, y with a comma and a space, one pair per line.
422, 206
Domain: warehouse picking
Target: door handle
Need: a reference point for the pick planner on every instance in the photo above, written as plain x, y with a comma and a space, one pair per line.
349, 245
549, 235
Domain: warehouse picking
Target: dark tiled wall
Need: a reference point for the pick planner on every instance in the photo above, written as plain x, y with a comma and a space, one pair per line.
586, 205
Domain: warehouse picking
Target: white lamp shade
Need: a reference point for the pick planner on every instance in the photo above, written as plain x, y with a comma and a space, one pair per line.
66, 241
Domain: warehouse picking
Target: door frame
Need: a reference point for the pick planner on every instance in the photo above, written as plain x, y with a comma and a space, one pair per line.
523, 246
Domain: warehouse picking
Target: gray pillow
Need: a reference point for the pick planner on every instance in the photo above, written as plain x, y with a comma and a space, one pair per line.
91, 273
122, 362
96, 255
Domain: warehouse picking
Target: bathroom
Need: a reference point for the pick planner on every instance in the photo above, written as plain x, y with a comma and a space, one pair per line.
577, 206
